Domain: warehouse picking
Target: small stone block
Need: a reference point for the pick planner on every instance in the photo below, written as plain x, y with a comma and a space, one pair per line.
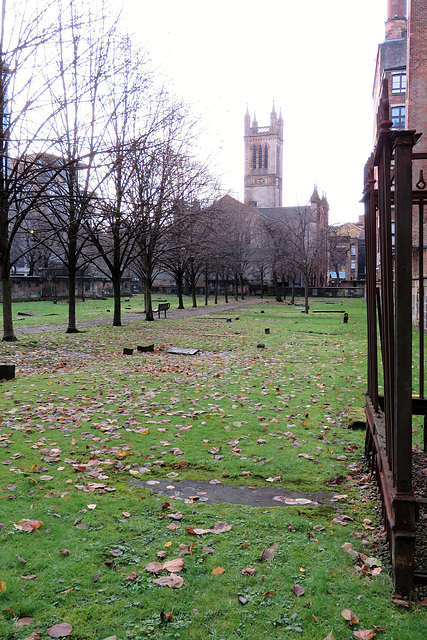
145, 348
127, 352
7, 371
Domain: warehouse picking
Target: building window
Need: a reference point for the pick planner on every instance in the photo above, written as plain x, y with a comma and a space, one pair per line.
398, 117
398, 83
260, 157
254, 158
266, 157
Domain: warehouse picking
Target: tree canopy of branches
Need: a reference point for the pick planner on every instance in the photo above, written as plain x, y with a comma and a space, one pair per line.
25, 30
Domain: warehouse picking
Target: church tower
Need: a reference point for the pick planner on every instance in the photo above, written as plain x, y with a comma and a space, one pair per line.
263, 161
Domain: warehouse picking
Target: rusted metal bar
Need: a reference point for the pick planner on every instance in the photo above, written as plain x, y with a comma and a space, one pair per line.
383, 161
402, 427
370, 248
421, 296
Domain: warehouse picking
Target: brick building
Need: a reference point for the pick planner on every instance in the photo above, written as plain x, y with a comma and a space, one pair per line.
402, 60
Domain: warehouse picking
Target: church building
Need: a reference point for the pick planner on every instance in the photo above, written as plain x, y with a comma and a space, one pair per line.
263, 161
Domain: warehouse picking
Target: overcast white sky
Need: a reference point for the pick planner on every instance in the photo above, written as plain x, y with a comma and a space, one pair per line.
314, 58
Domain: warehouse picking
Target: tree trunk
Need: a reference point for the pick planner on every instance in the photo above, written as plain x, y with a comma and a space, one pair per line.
117, 317
338, 275
293, 291
193, 293
178, 282
276, 287
72, 328
206, 286
283, 287
8, 334
306, 307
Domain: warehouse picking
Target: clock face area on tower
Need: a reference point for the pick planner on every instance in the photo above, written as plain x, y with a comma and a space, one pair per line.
263, 161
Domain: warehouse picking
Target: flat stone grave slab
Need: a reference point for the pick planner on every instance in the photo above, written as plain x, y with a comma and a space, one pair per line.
217, 491
183, 352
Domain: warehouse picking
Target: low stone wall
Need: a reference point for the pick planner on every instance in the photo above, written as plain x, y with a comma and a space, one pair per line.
34, 288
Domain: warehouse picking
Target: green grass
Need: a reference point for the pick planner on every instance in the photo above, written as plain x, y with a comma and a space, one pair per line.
79, 412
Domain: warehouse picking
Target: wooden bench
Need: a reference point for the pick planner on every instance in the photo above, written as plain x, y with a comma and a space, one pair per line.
163, 306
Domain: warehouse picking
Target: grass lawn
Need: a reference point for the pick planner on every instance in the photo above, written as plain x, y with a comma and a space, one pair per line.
82, 422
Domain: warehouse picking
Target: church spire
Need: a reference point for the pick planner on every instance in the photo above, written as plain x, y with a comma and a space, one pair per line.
254, 124
247, 122
273, 120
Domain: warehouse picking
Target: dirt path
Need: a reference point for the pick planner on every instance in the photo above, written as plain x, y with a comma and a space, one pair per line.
174, 313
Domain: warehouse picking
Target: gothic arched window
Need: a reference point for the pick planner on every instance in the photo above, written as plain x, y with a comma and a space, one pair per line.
254, 158
266, 157
260, 157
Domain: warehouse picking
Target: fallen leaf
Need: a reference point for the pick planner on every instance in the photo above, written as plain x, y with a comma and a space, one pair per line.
131, 577
401, 603
23, 622
153, 567
349, 616
221, 527
364, 634
28, 525
21, 559
172, 581
173, 566
298, 590
175, 516
218, 571
60, 630
166, 616
268, 554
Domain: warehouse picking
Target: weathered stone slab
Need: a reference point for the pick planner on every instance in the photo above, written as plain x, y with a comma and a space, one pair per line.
183, 352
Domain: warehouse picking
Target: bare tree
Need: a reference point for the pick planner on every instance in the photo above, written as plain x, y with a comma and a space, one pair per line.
25, 32
134, 113
161, 178
308, 245
84, 52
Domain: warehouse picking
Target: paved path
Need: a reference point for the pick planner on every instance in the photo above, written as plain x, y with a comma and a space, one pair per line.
174, 313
